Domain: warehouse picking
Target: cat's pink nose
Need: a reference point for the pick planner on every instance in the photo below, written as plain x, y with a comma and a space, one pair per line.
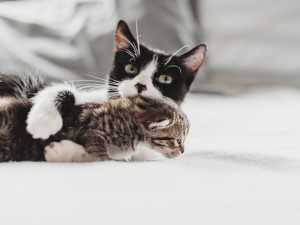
140, 87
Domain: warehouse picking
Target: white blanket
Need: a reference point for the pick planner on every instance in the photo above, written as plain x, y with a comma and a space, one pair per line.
241, 166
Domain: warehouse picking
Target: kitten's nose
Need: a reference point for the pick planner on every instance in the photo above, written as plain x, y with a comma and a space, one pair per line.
140, 87
182, 150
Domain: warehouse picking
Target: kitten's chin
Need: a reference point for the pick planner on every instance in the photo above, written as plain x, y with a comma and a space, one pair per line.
146, 153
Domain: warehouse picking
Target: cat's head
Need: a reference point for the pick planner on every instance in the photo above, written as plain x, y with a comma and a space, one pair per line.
163, 124
139, 70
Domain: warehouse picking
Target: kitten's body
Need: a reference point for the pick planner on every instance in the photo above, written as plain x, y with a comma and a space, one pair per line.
112, 130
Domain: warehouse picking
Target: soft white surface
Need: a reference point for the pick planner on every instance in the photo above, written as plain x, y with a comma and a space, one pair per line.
241, 166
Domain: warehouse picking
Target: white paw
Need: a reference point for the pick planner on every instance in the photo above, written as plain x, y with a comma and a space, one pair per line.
65, 151
43, 122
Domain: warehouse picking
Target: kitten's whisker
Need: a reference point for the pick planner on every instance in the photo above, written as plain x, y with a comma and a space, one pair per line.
174, 66
170, 58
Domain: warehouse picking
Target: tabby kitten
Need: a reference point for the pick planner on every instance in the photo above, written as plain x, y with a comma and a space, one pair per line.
114, 130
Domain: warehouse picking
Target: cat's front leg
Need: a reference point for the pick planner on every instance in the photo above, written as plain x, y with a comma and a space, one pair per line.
45, 117
51, 103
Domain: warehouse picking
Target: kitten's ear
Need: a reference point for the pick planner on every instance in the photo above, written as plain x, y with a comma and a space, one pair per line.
153, 120
124, 38
159, 125
193, 59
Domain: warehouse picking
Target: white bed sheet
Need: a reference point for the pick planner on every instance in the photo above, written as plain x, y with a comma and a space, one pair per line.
241, 166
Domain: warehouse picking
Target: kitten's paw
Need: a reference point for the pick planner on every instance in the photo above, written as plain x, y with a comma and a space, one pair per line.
65, 151
43, 122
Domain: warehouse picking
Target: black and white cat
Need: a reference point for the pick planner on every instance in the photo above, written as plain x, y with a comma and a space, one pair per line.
137, 70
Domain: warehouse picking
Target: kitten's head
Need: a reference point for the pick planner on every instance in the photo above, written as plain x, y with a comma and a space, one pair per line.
163, 124
151, 73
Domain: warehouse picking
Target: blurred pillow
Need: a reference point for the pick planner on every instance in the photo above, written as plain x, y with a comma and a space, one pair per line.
67, 39
253, 42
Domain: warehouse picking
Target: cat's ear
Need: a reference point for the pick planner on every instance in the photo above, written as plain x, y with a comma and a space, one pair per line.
193, 59
124, 38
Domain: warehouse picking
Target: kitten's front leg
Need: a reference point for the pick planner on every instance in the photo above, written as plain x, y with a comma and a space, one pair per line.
65, 151
95, 145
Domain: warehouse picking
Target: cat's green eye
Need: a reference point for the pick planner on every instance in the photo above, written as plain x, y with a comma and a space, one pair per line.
131, 69
165, 79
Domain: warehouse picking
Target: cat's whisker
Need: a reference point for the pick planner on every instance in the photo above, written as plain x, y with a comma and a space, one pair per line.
113, 83
129, 53
113, 87
110, 86
97, 78
170, 58
102, 80
95, 86
137, 38
112, 95
84, 88
105, 80
92, 81
114, 80
114, 90
174, 66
